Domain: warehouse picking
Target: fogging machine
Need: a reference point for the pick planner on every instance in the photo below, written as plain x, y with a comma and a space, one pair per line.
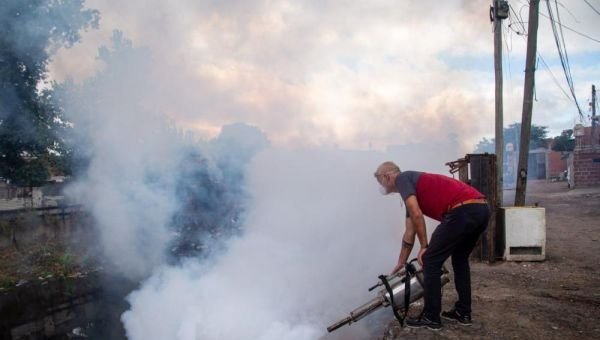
404, 287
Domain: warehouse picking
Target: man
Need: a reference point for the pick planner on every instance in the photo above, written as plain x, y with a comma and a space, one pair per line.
463, 213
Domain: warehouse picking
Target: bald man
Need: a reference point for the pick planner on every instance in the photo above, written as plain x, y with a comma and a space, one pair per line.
463, 214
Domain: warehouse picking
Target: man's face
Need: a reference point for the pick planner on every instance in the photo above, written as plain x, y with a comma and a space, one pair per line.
385, 180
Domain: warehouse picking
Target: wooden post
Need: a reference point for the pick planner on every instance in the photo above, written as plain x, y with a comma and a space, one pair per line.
527, 102
499, 136
594, 118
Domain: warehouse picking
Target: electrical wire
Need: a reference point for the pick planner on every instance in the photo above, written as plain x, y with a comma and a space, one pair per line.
520, 22
562, 53
572, 30
508, 49
555, 80
523, 34
592, 7
562, 36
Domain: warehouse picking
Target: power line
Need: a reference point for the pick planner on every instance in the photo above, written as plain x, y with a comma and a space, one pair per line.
566, 27
523, 34
555, 80
572, 30
592, 7
562, 53
520, 22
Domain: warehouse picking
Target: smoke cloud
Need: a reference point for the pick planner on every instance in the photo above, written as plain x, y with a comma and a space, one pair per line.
317, 235
228, 246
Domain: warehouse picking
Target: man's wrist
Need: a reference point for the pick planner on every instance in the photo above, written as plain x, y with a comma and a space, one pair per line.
407, 245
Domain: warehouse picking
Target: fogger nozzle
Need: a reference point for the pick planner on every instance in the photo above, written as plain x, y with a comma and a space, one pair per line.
397, 283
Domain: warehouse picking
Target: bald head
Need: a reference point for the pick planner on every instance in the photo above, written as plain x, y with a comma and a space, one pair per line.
386, 176
387, 168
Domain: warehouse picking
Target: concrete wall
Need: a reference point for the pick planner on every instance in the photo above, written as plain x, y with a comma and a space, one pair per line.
39, 300
47, 308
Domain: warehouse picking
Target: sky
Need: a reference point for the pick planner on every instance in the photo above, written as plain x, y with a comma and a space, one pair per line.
345, 74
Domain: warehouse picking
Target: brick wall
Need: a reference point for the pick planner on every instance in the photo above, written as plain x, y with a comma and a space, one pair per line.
586, 167
556, 164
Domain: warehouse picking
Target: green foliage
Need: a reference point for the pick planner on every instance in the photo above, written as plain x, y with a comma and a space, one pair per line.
66, 262
564, 142
30, 121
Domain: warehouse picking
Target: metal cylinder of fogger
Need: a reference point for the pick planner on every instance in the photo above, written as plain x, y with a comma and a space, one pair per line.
398, 288
382, 299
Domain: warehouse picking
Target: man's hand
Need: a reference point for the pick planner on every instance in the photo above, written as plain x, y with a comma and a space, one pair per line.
398, 267
420, 255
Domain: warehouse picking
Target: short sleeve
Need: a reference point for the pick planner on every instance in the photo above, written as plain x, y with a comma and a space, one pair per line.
406, 185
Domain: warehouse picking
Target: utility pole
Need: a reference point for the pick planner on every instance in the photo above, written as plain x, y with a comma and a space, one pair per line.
532, 29
594, 118
497, 13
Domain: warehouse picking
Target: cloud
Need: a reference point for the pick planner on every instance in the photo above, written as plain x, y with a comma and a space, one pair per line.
328, 73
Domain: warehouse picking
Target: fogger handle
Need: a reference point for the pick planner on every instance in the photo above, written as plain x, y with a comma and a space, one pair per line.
400, 273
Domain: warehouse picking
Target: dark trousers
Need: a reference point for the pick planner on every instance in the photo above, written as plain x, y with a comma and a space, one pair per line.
456, 235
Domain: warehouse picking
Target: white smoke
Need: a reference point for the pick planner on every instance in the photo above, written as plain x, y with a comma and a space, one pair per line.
315, 233
317, 236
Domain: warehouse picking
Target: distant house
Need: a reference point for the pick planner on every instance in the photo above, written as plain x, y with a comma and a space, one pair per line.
557, 164
586, 156
50, 195
543, 163
547, 164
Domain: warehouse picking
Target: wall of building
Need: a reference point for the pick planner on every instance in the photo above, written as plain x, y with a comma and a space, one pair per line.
586, 158
557, 164
586, 165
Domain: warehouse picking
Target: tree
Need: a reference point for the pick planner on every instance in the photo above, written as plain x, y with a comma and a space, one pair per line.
512, 134
31, 31
564, 142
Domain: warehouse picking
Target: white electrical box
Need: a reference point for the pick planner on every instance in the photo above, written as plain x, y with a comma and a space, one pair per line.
525, 233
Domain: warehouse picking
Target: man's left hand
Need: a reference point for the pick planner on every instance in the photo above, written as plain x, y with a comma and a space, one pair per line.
420, 255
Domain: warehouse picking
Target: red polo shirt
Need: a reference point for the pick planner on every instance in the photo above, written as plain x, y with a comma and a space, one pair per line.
435, 193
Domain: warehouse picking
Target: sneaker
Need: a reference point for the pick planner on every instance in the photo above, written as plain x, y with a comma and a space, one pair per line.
423, 321
456, 316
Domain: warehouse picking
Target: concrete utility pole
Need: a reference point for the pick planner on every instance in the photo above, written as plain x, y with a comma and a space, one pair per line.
499, 12
532, 29
594, 118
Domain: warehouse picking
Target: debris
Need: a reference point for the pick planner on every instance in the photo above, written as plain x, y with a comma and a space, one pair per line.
79, 332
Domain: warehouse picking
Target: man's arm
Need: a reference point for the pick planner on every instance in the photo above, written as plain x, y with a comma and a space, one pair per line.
418, 221
408, 240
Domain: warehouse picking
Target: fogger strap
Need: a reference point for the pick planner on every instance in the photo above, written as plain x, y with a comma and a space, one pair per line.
410, 272
385, 282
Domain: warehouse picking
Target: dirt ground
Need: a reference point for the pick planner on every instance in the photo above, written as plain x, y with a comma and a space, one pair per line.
555, 299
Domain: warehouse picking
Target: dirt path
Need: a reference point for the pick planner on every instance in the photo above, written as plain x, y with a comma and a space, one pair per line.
555, 299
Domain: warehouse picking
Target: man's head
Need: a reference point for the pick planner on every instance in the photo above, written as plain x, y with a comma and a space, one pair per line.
386, 175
